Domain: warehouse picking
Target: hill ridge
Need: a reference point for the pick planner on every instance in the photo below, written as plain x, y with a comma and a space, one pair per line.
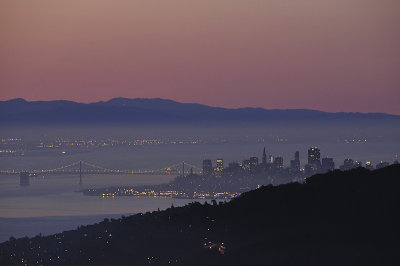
157, 110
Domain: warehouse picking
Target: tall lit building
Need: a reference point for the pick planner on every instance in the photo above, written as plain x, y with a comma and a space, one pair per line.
219, 168
314, 156
314, 161
253, 162
207, 168
270, 159
278, 162
246, 165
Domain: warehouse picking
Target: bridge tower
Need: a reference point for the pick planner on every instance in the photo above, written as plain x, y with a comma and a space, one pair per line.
80, 173
183, 169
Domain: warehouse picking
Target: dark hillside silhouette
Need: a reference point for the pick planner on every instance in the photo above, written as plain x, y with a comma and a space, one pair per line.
144, 111
338, 218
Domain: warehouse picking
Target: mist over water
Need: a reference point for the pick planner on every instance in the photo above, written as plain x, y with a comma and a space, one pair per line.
55, 196
360, 141
51, 204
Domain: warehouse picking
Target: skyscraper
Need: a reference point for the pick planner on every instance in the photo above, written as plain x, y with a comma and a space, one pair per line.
297, 156
207, 168
295, 164
278, 162
246, 165
347, 165
270, 159
328, 164
219, 168
233, 168
264, 158
314, 161
314, 156
253, 162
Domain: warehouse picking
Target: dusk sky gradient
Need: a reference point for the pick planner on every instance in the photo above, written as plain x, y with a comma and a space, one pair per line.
331, 55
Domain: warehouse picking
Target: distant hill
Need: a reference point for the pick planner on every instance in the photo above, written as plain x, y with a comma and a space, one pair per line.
338, 218
139, 111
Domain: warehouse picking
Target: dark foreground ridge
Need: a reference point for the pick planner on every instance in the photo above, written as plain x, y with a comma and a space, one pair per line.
338, 218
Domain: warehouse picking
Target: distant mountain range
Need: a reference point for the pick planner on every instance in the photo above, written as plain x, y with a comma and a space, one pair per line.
139, 111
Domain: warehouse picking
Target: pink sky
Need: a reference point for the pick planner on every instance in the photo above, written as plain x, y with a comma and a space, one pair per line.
332, 55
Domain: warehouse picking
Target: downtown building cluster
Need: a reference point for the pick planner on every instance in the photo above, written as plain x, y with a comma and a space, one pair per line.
273, 165
220, 182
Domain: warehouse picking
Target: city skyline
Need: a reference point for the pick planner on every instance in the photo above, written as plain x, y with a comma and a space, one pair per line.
313, 164
219, 182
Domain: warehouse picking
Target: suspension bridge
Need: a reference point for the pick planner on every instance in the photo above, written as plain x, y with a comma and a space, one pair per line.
85, 168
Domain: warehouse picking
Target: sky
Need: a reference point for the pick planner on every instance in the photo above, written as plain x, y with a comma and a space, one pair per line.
331, 55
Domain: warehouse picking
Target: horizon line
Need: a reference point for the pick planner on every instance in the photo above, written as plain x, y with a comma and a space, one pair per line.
197, 103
